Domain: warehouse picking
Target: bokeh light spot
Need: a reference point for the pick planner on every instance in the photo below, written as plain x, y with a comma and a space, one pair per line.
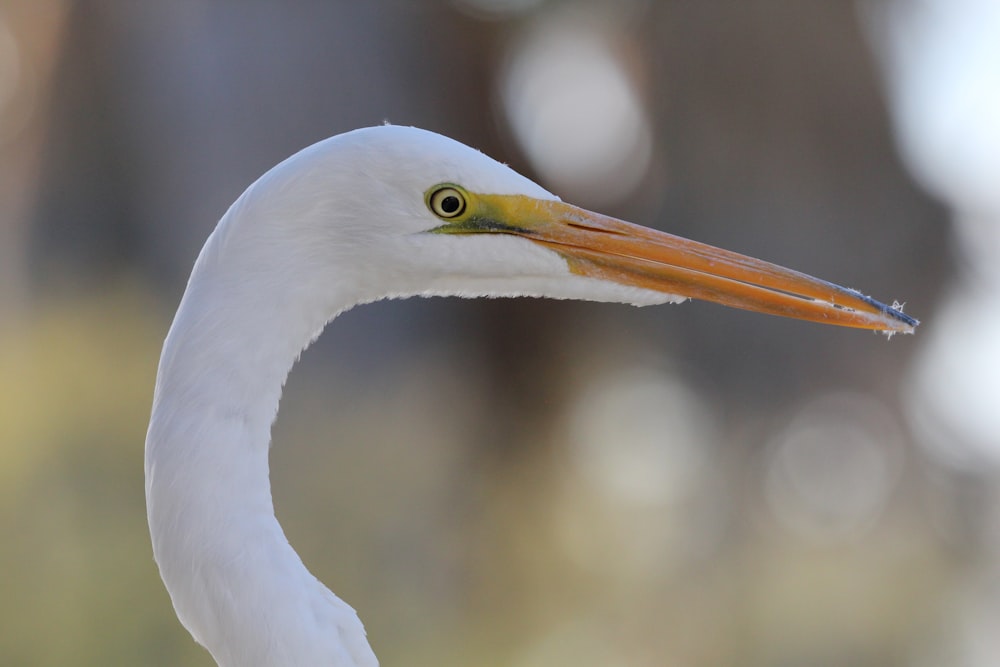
575, 111
832, 469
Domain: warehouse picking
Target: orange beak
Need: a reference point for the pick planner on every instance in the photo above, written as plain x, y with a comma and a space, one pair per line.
603, 247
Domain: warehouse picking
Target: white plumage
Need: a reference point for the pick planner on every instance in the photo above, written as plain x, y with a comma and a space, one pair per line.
353, 219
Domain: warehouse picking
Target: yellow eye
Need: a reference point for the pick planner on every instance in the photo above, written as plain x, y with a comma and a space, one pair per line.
447, 202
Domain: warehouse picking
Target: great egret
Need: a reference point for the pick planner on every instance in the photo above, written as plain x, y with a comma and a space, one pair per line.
382, 212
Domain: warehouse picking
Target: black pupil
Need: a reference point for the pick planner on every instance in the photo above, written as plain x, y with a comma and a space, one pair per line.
450, 204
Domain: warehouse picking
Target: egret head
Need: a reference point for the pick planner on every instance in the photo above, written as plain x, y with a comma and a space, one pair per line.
409, 212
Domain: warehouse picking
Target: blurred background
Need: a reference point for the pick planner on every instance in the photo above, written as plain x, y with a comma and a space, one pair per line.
529, 483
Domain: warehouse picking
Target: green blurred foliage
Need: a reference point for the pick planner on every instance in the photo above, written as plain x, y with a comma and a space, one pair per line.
76, 568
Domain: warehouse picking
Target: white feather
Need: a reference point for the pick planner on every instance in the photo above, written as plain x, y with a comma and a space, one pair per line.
342, 222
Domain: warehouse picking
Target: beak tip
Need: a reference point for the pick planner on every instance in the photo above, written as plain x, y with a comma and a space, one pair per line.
903, 323
896, 321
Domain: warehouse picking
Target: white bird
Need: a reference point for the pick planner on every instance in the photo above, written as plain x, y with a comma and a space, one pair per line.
382, 212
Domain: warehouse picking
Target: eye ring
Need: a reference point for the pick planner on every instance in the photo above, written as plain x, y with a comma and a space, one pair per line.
447, 202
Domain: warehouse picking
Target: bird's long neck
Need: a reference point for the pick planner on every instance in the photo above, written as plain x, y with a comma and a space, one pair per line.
234, 580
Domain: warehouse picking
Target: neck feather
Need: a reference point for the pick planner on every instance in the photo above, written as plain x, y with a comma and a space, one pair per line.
235, 582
